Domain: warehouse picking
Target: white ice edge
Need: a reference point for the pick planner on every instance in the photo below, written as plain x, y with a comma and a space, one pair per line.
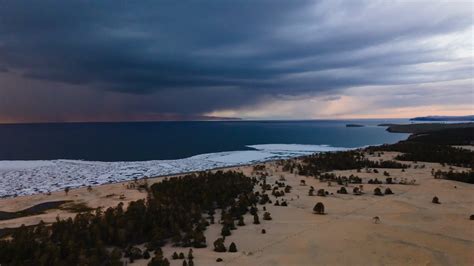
32, 177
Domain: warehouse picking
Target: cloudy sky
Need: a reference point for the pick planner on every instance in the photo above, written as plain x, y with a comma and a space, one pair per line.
151, 60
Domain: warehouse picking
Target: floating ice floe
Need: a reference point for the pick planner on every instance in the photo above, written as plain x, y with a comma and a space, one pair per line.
32, 177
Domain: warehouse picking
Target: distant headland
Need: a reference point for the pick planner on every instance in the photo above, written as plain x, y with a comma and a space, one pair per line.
424, 127
444, 118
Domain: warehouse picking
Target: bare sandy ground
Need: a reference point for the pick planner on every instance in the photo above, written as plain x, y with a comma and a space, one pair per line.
412, 230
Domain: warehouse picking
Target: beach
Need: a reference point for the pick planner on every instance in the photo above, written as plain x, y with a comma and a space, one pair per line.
412, 230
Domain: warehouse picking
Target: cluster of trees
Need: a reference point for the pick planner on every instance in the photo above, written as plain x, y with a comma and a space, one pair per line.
259, 167
467, 177
374, 181
389, 164
172, 212
340, 180
219, 246
429, 152
314, 165
378, 192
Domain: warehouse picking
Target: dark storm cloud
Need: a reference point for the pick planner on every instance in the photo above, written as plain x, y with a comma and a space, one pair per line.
201, 56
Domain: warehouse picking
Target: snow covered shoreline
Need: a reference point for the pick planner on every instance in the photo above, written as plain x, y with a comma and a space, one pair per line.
19, 178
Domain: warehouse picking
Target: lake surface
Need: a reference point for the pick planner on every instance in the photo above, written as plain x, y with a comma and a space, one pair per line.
175, 140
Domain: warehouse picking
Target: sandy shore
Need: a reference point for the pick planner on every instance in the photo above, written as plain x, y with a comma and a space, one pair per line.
412, 230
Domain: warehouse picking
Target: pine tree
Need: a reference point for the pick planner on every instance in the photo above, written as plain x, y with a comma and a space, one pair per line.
175, 256
255, 219
267, 216
199, 240
321, 193
225, 231
146, 254
342, 190
158, 260
219, 245
319, 208
190, 254
378, 192
232, 247
241, 221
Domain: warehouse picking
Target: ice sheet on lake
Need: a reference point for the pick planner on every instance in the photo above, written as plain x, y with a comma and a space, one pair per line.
294, 148
240, 157
31, 177
14, 165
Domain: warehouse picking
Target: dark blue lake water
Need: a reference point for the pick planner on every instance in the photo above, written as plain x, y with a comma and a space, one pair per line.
174, 140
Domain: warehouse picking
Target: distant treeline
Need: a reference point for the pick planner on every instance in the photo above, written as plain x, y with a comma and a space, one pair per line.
422, 128
459, 136
314, 165
425, 152
435, 146
466, 177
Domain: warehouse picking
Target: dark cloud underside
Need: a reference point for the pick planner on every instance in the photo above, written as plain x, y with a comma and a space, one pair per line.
196, 57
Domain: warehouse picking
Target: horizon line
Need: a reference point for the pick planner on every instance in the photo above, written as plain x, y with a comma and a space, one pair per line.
212, 120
